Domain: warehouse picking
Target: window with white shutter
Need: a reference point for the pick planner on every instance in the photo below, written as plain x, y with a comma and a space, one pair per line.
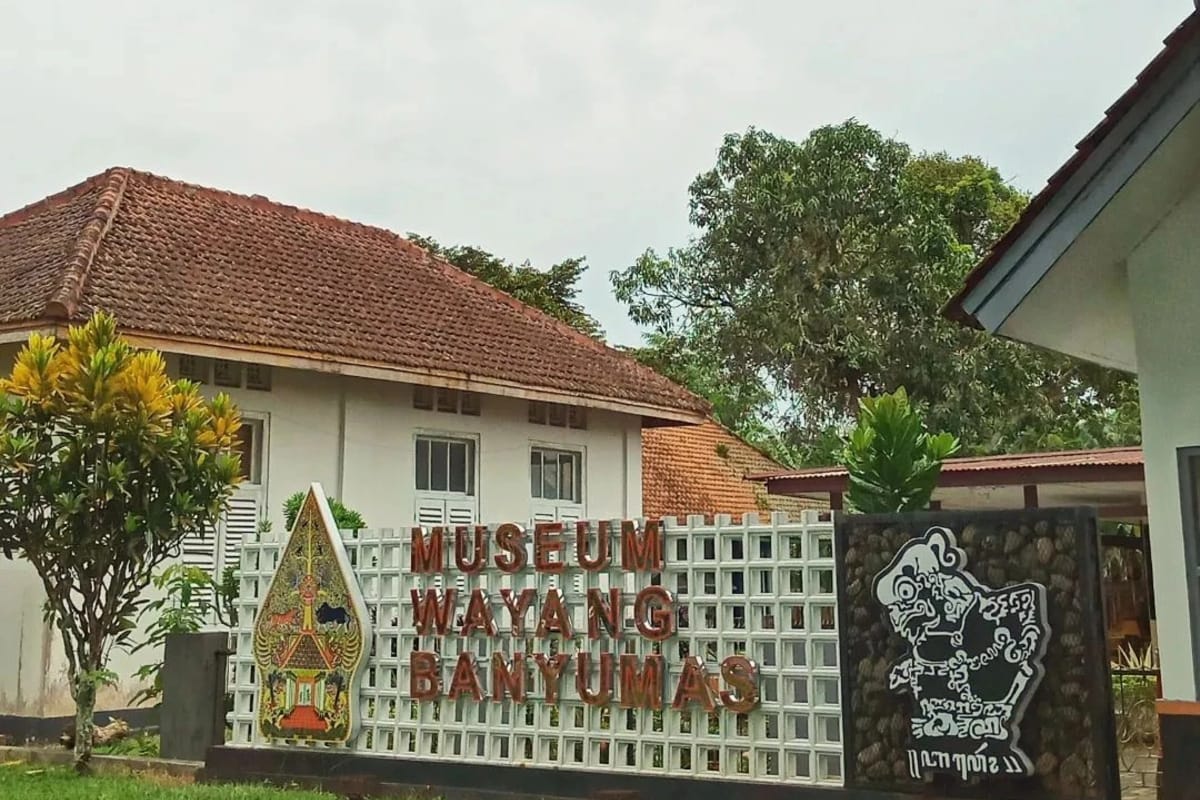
556, 484
200, 551
446, 483
556, 490
239, 524
221, 546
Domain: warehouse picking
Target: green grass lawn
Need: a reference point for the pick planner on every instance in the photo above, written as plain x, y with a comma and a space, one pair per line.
30, 782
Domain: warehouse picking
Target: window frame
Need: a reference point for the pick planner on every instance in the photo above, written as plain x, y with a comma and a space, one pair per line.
263, 381
260, 423
471, 463
578, 453
423, 397
232, 380
557, 415
446, 401
204, 368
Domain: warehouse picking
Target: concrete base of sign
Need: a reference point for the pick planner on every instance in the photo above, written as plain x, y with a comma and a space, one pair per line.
1179, 730
381, 776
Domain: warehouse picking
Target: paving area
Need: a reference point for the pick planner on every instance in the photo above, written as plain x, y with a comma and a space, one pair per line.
1139, 793
1139, 774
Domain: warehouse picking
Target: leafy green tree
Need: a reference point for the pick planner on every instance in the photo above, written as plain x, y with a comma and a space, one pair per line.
554, 291
105, 466
817, 278
893, 462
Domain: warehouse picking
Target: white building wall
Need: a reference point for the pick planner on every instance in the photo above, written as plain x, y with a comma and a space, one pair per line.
381, 426
355, 437
302, 416
29, 682
1164, 281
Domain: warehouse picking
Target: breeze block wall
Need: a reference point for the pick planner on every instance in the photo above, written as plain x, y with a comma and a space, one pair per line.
763, 589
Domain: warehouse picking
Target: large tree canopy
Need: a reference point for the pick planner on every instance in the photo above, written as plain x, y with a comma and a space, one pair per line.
554, 290
817, 277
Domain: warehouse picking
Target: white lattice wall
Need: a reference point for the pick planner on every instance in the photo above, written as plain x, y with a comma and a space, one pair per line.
766, 590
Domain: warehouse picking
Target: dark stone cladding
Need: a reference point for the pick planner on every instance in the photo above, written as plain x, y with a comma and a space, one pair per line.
1067, 730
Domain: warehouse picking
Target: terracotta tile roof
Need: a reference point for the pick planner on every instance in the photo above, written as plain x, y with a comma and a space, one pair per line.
701, 469
1179, 38
1028, 464
171, 259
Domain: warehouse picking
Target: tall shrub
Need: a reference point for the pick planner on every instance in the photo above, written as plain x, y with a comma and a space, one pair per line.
105, 465
892, 460
346, 519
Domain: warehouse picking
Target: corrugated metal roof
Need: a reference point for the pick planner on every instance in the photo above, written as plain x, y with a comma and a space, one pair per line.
1110, 457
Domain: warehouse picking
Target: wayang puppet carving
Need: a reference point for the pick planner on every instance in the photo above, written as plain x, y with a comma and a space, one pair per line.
974, 658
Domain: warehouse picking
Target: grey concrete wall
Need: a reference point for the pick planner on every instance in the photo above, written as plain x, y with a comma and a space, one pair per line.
193, 707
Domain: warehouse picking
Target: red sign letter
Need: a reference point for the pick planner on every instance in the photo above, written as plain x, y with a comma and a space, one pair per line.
479, 615
460, 549
551, 668
742, 676
642, 687
426, 554
583, 677
641, 551
425, 678
510, 539
517, 609
659, 624
582, 534
506, 677
598, 615
547, 540
427, 610
465, 679
693, 686
554, 617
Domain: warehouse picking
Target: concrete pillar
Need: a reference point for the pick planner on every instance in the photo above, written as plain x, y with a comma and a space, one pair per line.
193, 707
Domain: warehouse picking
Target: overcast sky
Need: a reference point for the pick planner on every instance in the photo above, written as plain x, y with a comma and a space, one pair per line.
539, 130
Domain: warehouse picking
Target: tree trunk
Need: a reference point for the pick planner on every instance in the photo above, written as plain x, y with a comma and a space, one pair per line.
85, 708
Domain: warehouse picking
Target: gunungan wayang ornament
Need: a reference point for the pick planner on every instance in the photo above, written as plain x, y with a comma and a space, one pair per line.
311, 634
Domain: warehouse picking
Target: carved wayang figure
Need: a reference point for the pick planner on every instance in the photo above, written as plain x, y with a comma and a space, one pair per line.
974, 658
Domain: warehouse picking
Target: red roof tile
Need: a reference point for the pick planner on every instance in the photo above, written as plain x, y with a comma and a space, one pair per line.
701, 469
1183, 34
175, 260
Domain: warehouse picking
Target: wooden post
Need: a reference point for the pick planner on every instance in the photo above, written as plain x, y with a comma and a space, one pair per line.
1031, 496
835, 501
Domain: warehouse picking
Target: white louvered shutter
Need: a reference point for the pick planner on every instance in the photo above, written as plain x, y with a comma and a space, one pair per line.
201, 552
568, 516
460, 512
431, 511
239, 524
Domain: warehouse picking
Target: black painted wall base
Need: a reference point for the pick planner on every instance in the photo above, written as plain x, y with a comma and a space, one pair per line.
34, 730
1180, 764
377, 776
